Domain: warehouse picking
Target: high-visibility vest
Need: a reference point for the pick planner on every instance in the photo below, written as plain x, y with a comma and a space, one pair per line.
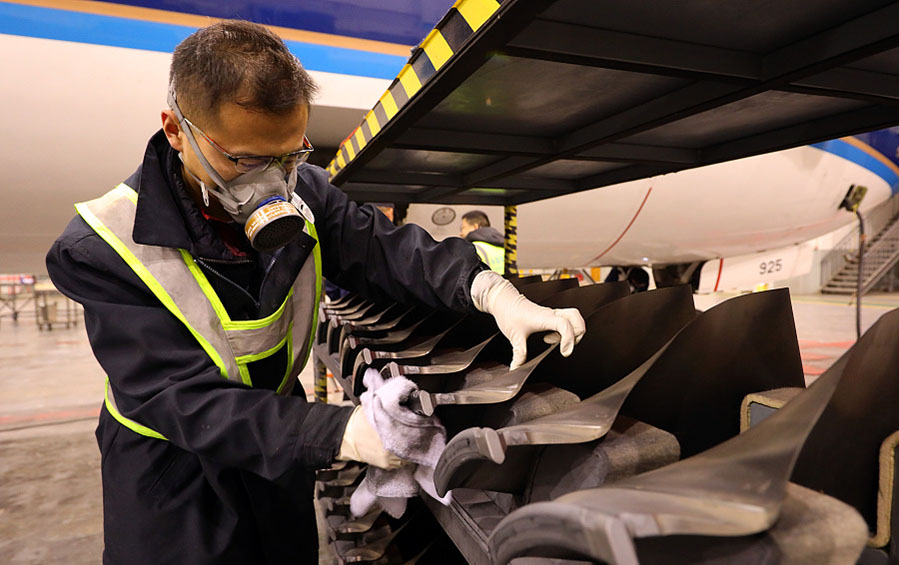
176, 280
493, 255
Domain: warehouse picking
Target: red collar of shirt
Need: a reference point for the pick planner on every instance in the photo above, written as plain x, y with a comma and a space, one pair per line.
225, 229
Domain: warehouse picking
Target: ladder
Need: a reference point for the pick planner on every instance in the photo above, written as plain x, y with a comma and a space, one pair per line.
881, 254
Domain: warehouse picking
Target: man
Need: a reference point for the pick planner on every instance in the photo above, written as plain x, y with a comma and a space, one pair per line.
489, 243
637, 278
200, 277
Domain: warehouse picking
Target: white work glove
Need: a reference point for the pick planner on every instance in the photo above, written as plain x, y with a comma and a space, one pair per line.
362, 443
518, 317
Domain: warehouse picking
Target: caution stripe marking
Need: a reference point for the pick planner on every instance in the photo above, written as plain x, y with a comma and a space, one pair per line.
444, 41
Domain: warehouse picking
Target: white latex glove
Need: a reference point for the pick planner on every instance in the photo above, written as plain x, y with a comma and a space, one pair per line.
518, 317
362, 443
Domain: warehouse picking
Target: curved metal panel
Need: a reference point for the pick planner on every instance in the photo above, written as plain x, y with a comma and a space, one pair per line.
671, 308
620, 336
743, 345
863, 412
496, 384
440, 363
588, 298
735, 488
538, 292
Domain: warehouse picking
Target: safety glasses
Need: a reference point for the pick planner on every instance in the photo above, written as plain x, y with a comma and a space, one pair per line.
246, 163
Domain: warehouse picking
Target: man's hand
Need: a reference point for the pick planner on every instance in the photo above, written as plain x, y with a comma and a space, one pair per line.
362, 443
518, 317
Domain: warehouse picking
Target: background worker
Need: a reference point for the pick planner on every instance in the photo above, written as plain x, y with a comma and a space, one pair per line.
489, 243
637, 278
200, 276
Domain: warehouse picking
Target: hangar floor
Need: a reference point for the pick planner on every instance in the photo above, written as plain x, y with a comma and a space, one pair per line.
50, 499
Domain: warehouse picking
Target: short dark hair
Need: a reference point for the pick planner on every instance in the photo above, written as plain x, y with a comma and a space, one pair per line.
477, 218
240, 62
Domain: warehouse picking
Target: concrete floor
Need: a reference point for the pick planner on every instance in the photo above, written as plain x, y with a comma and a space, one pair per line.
51, 389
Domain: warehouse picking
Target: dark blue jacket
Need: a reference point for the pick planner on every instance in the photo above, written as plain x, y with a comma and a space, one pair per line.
234, 483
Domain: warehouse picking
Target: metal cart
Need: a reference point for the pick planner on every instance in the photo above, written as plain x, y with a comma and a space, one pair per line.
16, 291
52, 307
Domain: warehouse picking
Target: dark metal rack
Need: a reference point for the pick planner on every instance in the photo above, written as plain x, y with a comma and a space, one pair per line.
506, 103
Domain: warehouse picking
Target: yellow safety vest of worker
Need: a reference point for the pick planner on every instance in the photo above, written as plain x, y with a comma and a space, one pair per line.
176, 280
493, 255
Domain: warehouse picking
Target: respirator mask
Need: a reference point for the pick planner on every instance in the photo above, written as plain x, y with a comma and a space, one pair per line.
263, 199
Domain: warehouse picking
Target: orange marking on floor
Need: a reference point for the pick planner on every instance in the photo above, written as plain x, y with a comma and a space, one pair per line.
814, 356
50, 416
812, 343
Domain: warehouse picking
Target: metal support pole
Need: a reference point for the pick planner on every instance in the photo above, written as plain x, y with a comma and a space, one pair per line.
511, 242
858, 291
320, 385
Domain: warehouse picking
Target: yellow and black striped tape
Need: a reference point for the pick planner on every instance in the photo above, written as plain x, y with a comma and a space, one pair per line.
451, 32
510, 217
320, 384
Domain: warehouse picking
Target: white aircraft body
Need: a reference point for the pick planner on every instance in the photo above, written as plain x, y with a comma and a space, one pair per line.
81, 107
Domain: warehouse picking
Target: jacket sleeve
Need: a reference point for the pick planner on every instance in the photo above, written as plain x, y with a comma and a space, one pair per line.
164, 380
363, 251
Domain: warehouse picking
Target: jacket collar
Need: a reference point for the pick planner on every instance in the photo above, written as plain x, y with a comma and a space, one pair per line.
486, 234
166, 216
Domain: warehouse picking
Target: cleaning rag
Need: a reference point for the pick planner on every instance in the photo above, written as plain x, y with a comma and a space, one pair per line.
416, 438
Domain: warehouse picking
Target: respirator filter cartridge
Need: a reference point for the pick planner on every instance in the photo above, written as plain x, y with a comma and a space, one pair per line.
274, 224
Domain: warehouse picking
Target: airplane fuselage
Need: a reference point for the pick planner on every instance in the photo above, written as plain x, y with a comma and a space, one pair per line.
84, 91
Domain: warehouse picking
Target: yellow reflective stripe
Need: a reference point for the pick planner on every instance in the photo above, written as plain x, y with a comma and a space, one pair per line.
348, 144
476, 12
389, 104
289, 339
205, 286
409, 80
482, 254
124, 190
128, 423
373, 124
437, 49
260, 323
244, 359
360, 138
148, 279
493, 255
219, 308
244, 374
340, 160
317, 255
